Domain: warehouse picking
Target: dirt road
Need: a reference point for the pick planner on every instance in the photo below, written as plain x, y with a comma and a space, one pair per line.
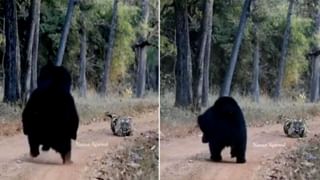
93, 140
188, 159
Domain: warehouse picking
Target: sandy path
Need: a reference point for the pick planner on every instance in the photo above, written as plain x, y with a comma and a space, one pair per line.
93, 140
187, 158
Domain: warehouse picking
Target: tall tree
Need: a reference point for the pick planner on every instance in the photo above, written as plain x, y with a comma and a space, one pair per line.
315, 59
141, 51
255, 88
109, 49
284, 50
225, 90
26, 71
34, 61
199, 62
183, 69
11, 83
65, 32
207, 57
83, 56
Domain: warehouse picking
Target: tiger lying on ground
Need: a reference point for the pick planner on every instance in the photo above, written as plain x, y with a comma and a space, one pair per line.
120, 125
294, 127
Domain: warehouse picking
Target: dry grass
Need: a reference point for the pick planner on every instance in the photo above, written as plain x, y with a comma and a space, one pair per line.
135, 159
180, 122
93, 107
301, 163
90, 109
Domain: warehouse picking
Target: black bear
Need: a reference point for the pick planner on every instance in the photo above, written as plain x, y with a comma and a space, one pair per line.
223, 125
50, 117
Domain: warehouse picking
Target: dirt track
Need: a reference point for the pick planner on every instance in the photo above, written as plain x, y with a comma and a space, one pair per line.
188, 159
93, 140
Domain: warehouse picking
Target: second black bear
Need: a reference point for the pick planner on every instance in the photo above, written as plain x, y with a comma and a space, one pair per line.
223, 125
50, 117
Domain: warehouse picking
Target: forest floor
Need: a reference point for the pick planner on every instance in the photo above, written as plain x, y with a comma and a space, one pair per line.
188, 158
95, 140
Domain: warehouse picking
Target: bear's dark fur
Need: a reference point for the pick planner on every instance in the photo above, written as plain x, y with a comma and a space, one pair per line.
224, 125
54, 77
50, 117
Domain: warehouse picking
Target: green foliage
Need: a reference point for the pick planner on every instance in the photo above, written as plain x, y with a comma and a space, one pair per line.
96, 20
123, 55
167, 47
299, 46
270, 18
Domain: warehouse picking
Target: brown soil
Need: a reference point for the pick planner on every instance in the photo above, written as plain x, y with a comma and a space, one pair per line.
93, 141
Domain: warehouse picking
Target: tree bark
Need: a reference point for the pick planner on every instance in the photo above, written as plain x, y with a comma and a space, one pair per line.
255, 89
109, 49
314, 88
183, 70
284, 50
65, 32
199, 62
83, 57
141, 52
225, 90
207, 57
11, 87
34, 61
315, 64
26, 71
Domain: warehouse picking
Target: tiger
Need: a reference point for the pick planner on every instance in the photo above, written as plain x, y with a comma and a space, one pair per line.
120, 125
295, 128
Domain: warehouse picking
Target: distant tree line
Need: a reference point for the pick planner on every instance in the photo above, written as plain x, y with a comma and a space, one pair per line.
251, 47
108, 46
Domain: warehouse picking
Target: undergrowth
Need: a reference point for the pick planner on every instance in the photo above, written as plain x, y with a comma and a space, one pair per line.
179, 122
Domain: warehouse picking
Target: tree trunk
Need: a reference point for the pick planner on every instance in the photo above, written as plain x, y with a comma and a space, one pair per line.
18, 66
109, 49
83, 57
315, 64
314, 89
255, 89
34, 61
26, 71
141, 52
199, 62
225, 90
183, 69
284, 50
207, 57
11, 88
65, 32
141, 55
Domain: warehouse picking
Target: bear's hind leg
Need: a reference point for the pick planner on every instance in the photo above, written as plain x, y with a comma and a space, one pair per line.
65, 151
34, 146
215, 151
239, 153
66, 157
